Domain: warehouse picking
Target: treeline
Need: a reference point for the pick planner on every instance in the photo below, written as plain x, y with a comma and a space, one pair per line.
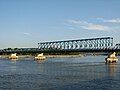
34, 51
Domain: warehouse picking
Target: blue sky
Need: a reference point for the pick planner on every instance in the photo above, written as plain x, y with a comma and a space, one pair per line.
24, 23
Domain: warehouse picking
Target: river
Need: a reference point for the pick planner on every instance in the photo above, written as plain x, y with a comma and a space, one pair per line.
80, 73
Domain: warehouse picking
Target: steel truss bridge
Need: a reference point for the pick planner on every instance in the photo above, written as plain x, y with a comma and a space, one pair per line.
104, 44
80, 44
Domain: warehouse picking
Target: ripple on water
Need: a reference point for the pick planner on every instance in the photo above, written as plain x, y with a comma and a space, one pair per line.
86, 73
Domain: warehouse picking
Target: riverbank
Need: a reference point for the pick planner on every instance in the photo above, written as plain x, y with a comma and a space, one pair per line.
55, 56
47, 56
19, 56
61, 56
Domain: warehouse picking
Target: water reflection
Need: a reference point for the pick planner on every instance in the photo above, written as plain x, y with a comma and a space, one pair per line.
14, 60
40, 61
112, 67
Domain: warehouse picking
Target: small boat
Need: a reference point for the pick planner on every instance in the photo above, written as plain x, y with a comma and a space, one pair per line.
13, 56
40, 57
111, 58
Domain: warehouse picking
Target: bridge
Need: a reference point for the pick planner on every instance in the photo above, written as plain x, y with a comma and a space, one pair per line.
104, 44
80, 44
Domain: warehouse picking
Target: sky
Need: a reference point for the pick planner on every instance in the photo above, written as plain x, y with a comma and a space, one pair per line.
24, 23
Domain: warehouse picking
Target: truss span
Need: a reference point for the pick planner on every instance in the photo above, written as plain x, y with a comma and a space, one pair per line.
117, 46
93, 43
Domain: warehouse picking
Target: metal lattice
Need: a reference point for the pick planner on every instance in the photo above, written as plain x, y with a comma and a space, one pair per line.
117, 46
93, 43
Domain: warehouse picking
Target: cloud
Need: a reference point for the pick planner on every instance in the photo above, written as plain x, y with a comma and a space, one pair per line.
115, 20
95, 27
77, 22
88, 26
27, 34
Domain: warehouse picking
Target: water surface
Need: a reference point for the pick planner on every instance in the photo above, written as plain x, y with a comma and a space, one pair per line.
80, 73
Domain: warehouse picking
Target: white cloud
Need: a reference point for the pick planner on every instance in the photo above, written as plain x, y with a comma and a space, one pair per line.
27, 34
77, 22
87, 25
115, 20
96, 27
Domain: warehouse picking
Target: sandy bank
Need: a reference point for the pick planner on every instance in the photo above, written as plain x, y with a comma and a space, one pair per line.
54, 56
47, 56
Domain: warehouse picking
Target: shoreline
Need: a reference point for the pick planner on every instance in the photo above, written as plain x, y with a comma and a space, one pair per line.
47, 56
62, 56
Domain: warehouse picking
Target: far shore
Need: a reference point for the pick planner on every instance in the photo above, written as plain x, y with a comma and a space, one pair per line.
47, 56
52, 56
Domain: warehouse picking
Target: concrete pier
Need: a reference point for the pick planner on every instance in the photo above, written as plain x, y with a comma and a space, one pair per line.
111, 58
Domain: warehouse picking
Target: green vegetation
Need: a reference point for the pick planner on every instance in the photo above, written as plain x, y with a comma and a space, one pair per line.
34, 51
